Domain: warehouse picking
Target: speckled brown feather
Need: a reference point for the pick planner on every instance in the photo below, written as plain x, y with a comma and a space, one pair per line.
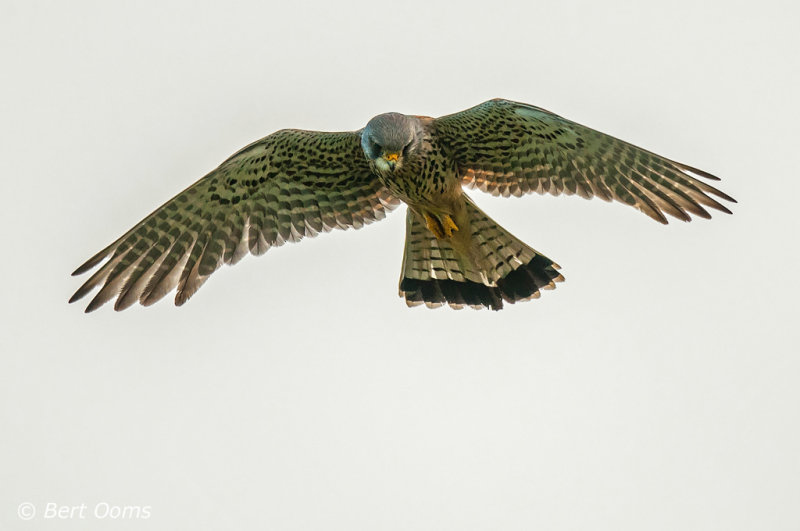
290, 185
508, 148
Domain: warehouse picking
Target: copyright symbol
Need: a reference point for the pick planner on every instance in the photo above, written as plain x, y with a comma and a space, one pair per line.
26, 511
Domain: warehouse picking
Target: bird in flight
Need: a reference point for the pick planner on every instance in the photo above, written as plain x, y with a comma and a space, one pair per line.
294, 184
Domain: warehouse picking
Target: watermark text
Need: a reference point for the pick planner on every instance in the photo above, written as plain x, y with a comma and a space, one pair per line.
83, 511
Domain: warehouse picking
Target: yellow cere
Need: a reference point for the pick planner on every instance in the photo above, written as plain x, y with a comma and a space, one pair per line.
392, 157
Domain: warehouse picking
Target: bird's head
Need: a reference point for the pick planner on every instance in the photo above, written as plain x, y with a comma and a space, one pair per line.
389, 139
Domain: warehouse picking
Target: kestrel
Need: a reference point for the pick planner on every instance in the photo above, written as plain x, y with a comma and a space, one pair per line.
294, 184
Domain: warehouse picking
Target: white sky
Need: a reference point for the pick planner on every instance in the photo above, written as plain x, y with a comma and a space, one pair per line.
657, 388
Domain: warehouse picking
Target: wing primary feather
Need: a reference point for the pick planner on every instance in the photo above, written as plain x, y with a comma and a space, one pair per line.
94, 260
96, 279
113, 284
696, 189
136, 280
165, 278
665, 202
645, 203
211, 259
191, 279
696, 171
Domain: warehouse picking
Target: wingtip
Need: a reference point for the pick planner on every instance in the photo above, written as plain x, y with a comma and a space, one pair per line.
83, 268
700, 172
80, 293
123, 303
181, 297
715, 191
93, 261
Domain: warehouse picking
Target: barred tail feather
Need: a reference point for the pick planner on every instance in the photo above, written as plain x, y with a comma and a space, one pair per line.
481, 266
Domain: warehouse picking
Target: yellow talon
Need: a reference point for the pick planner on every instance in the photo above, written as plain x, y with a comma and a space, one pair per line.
434, 226
441, 228
449, 225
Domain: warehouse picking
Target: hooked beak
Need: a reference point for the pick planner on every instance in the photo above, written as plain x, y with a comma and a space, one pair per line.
389, 160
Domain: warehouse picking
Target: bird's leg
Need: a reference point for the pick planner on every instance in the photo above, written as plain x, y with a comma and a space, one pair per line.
441, 227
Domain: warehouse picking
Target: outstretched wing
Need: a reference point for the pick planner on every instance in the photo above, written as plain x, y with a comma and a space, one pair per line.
508, 148
287, 186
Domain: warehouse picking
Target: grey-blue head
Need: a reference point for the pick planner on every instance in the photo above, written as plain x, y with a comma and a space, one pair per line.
390, 138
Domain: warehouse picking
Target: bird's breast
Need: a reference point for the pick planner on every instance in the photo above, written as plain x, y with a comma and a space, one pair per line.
424, 179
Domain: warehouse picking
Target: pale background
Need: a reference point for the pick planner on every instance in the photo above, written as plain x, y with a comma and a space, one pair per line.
656, 389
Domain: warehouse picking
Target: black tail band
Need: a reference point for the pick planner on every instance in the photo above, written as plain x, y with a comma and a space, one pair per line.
521, 284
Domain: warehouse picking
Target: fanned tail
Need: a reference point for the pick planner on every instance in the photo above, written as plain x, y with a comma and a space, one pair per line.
481, 266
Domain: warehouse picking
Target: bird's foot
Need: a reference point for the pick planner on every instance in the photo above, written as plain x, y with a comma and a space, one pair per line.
449, 225
442, 227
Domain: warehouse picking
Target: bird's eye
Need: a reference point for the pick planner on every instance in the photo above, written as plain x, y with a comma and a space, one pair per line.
407, 149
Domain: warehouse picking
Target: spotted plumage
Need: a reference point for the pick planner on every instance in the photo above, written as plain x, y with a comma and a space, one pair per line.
295, 184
